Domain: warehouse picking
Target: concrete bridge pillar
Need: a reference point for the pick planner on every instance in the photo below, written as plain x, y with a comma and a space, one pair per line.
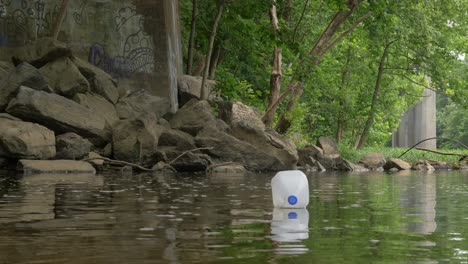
418, 123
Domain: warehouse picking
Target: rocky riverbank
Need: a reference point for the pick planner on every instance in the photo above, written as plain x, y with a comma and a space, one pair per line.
56, 108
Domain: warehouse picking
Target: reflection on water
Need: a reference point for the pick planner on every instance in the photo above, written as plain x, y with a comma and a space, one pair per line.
404, 217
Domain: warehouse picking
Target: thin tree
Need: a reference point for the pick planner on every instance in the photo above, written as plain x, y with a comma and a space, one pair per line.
204, 93
371, 117
192, 36
324, 43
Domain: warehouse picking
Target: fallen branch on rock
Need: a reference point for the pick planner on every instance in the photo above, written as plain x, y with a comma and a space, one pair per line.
119, 162
186, 152
443, 153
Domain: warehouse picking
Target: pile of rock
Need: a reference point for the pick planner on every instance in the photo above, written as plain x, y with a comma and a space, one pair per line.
61, 107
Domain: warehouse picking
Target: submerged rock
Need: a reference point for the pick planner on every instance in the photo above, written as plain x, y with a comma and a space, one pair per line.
226, 169
54, 166
20, 139
59, 114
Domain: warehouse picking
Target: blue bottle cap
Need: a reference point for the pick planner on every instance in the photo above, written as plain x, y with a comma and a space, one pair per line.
292, 200
292, 215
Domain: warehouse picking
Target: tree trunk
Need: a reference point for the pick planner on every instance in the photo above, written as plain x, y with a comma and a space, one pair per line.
214, 63
284, 123
325, 43
204, 93
370, 118
288, 10
192, 36
200, 66
275, 87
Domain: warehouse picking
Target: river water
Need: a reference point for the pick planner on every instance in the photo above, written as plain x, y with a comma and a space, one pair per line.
408, 217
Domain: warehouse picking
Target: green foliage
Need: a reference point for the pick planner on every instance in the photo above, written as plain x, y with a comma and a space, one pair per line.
453, 124
430, 38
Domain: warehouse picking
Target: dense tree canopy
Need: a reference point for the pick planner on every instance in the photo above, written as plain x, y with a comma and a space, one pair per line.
349, 67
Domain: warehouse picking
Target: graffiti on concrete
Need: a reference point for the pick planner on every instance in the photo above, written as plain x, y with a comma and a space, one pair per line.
137, 60
136, 48
21, 20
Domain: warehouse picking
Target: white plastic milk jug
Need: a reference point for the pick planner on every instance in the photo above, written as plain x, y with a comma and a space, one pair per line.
290, 189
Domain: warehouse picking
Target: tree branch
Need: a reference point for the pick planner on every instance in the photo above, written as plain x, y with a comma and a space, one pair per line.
348, 31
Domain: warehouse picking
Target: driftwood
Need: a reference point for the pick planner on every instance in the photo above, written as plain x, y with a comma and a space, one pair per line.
119, 162
186, 152
433, 138
443, 153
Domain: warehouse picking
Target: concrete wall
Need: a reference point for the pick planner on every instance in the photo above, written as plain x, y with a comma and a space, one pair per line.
136, 41
418, 123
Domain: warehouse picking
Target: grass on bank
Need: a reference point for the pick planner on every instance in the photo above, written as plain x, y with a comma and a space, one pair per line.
414, 155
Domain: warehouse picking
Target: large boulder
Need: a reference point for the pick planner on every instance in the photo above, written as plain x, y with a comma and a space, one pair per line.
193, 117
5, 68
59, 114
423, 165
182, 140
227, 148
328, 145
26, 140
141, 102
100, 81
398, 164
247, 126
64, 77
134, 139
23, 75
373, 161
54, 167
192, 84
72, 146
98, 105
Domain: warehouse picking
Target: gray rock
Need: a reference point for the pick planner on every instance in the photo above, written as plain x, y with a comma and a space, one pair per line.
20, 139
54, 166
247, 126
182, 140
23, 75
440, 165
373, 161
64, 77
189, 162
228, 169
101, 82
95, 159
9, 117
309, 155
423, 165
132, 140
99, 106
227, 148
193, 117
5, 68
192, 84
141, 102
397, 164
59, 114
328, 145
72, 146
